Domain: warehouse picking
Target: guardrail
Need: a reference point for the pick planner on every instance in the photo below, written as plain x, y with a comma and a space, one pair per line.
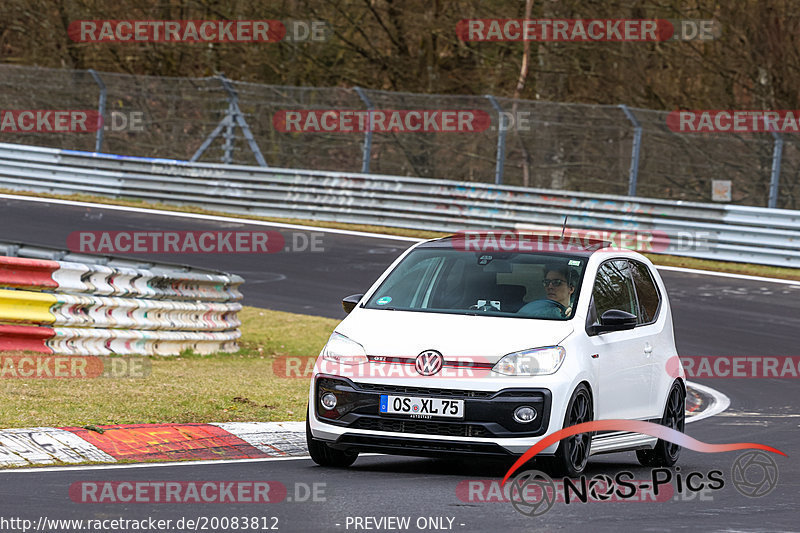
120, 307
708, 231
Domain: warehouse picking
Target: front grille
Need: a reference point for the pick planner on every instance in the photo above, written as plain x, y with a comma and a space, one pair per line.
401, 389
425, 427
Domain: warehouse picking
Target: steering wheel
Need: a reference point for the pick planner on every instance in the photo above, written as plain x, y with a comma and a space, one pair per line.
557, 305
485, 308
543, 308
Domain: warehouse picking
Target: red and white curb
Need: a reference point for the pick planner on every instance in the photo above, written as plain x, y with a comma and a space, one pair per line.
228, 440
151, 442
42, 446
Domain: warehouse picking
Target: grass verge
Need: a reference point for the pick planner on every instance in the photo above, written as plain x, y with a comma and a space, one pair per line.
189, 388
658, 259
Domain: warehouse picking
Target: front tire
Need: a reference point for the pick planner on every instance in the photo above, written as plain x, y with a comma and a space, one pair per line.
666, 453
324, 455
573, 452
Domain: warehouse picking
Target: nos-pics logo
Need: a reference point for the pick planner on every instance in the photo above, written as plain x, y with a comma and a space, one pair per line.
533, 493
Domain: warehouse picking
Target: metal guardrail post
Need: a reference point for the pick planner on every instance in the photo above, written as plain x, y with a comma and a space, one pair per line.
775, 175
501, 141
367, 150
633, 175
101, 109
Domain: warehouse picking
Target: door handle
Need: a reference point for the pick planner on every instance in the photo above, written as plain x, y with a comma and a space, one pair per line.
648, 348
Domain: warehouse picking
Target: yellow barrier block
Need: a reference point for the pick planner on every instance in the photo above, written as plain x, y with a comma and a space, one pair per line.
26, 307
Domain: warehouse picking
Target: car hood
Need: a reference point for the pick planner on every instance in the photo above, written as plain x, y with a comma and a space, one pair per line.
383, 332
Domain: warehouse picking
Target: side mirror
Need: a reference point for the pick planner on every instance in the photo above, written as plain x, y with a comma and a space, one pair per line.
350, 303
614, 320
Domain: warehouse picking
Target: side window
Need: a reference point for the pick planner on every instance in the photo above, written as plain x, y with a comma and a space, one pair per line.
613, 288
646, 292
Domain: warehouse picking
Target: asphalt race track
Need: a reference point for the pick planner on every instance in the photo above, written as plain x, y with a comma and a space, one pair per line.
713, 316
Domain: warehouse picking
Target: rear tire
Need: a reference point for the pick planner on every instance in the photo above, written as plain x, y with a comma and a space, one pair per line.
666, 453
324, 455
573, 452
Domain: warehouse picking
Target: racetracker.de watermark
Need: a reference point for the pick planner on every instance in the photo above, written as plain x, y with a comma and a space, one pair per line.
735, 366
68, 121
734, 121
50, 121
73, 367
299, 367
587, 30
194, 242
381, 121
198, 31
571, 240
179, 492
598, 488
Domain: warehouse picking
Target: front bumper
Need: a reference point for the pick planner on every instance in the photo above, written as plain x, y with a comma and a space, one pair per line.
488, 427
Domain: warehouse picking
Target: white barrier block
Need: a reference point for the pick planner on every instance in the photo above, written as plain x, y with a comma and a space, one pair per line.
98, 278
122, 281
77, 310
96, 341
69, 277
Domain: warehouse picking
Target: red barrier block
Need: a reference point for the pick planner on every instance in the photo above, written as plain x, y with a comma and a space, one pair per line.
27, 273
26, 338
168, 442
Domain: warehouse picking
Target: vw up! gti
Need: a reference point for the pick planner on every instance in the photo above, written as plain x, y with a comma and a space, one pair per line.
484, 353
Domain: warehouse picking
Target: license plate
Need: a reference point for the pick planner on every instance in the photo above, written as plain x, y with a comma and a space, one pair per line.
421, 407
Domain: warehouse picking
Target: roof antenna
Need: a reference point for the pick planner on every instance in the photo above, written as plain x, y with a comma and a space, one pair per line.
564, 227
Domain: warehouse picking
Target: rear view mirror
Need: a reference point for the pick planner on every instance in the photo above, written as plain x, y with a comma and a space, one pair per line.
349, 303
614, 320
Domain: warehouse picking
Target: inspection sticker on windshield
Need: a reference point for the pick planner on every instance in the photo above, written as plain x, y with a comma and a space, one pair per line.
574, 263
383, 300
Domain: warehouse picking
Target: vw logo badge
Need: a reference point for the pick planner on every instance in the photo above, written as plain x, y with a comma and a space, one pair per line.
429, 362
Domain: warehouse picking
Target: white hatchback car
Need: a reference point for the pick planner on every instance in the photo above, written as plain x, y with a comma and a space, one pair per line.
454, 351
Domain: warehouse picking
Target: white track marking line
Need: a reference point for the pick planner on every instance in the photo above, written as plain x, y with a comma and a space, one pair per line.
720, 403
329, 230
158, 465
149, 465
729, 275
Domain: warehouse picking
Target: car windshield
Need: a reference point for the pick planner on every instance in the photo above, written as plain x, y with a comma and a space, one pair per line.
511, 284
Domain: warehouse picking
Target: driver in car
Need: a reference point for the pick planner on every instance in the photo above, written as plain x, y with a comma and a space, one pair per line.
559, 288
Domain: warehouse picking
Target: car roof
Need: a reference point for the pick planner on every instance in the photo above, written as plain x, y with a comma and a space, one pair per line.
547, 244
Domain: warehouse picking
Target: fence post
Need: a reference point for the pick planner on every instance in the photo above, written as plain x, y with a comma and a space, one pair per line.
227, 146
232, 119
101, 110
239, 119
501, 141
367, 150
633, 175
775, 176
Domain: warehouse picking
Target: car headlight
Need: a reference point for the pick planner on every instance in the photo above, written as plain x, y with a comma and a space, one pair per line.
534, 362
344, 351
